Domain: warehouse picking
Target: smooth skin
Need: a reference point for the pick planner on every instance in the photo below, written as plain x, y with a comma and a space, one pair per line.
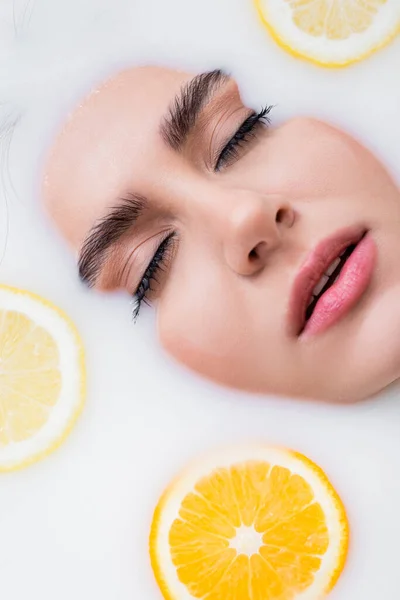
241, 233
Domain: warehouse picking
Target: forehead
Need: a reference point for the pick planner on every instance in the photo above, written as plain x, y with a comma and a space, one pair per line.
90, 163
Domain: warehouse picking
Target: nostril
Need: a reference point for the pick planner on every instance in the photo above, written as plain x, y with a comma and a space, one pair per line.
285, 216
280, 215
258, 252
253, 255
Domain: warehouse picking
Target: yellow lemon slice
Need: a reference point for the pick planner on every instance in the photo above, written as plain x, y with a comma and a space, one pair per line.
331, 32
41, 377
251, 523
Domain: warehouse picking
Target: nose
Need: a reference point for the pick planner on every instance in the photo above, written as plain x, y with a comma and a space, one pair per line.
254, 229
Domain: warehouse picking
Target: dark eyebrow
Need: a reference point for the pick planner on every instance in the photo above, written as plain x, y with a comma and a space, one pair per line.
187, 106
182, 115
105, 233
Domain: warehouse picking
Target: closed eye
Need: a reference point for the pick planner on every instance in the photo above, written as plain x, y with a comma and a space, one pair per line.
247, 130
157, 264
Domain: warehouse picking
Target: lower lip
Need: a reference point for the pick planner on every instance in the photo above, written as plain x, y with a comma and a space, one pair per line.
341, 297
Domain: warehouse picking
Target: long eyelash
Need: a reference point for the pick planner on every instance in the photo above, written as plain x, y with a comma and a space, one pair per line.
245, 132
155, 266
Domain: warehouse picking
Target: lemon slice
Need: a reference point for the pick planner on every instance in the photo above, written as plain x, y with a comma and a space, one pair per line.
332, 33
41, 377
251, 523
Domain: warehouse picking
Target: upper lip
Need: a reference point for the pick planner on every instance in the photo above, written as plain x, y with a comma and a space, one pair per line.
313, 268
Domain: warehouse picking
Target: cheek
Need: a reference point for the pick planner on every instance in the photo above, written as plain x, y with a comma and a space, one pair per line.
306, 158
203, 324
195, 315
199, 332
223, 334
223, 348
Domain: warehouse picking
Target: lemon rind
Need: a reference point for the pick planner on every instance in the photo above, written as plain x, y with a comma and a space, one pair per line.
330, 64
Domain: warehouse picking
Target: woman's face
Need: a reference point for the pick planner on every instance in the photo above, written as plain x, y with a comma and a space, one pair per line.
167, 186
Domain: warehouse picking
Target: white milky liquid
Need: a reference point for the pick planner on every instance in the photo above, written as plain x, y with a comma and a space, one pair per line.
76, 525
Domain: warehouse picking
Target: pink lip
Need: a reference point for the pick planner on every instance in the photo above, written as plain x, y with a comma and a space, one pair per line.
340, 298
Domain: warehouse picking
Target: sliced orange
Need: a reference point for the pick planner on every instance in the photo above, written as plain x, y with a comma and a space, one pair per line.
251, 523
331, 32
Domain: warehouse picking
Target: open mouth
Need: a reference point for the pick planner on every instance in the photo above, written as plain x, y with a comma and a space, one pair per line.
330, 277
331, 281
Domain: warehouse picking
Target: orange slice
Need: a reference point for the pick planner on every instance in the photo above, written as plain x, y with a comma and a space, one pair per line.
332, 33
251, 523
